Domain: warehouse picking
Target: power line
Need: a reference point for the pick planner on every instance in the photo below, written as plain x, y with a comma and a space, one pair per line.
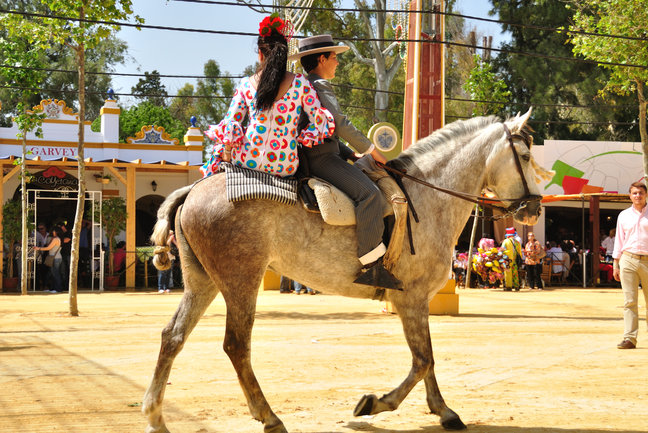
184, 29
433, 11
137, 95
534, 27
505, 103
123, 74
541, 105
566, 122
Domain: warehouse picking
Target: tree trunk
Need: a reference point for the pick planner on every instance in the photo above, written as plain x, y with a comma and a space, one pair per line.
23, 216
642, 126
76, 232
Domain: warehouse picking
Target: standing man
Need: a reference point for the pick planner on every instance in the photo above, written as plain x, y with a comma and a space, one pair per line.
513, 250
631, 261
318, 57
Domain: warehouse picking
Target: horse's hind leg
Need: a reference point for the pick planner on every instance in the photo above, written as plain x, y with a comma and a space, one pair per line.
200, 291
241, 307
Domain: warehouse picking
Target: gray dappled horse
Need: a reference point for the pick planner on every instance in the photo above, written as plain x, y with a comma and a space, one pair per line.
226, 247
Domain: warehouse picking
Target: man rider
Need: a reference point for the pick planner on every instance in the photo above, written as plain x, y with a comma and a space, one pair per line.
318, 57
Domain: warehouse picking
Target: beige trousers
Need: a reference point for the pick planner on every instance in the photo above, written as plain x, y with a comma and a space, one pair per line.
633, 271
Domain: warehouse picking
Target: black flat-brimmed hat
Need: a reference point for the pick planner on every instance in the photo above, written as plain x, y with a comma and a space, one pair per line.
316, 44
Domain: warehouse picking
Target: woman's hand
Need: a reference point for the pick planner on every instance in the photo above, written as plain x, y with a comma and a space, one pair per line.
227, 154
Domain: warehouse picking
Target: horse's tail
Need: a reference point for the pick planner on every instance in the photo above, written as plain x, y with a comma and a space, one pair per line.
164, 224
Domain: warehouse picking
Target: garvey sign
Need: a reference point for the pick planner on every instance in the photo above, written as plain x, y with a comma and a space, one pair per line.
47, 152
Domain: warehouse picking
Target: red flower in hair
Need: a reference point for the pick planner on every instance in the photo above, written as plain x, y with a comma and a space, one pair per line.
273, 22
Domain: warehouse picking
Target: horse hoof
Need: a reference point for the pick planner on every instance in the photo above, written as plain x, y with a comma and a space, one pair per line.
365, 405
277, 428
453, 423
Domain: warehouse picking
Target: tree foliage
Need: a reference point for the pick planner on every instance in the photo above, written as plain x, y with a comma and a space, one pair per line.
484, 85
151, 89
616, 17
545, 83
61, 79
147, 113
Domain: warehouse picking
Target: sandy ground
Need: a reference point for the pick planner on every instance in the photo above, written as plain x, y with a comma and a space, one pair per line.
525, 362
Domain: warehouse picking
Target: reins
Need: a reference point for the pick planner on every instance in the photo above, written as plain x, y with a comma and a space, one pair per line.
478, 199
514, 207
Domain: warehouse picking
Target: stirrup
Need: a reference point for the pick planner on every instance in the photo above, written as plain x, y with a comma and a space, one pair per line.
377, 276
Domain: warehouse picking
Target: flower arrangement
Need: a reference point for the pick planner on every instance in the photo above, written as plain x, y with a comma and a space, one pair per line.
274, 22
491, 264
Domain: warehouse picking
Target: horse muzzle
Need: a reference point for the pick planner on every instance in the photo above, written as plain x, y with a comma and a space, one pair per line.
528, 211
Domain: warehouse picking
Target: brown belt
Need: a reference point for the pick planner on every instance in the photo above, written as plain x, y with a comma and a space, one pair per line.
635, 256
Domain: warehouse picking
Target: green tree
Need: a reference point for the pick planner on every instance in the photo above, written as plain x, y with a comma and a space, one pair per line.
459, 63
17, 50
147, 113
208, 101
627, 18
80, 31
102, 58
210, 110
547, 83
151, 89
60, 81
184, 106
484, 85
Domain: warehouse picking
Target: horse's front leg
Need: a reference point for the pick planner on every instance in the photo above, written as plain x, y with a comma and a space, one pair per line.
414, 317
449, 419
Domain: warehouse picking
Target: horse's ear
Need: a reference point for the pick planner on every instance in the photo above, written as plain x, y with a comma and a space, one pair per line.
520, 121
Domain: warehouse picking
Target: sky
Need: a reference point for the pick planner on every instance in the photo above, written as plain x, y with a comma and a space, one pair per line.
185, 53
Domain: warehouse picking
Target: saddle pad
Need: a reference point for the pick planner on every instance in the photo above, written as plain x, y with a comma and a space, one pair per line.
245, 184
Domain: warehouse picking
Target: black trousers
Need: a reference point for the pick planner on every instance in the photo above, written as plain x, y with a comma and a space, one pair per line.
533, 275
369, 200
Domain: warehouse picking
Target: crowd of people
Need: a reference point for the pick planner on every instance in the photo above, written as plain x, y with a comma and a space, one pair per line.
52, 253
522, 265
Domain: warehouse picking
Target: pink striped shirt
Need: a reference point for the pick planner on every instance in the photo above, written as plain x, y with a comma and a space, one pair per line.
631, 232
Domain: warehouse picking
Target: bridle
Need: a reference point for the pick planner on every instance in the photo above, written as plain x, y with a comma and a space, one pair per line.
516, 203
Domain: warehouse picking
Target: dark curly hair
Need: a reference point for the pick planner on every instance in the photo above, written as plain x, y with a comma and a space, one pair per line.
273, 69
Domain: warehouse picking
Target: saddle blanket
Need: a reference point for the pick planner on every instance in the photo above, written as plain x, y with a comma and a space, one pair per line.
245, 184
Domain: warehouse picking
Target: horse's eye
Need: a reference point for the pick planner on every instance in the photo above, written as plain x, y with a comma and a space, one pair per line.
526, 157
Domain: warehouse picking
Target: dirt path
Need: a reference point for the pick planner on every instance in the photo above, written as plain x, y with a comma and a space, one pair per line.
526, 362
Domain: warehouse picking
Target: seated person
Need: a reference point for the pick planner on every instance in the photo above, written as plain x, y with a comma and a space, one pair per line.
271, 100
558, 257
318, 57
605, 267
119, 256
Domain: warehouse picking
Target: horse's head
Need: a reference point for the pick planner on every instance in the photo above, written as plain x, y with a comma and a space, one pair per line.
513, 174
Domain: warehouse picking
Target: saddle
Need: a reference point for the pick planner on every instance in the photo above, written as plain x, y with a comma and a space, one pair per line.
337, 208
320, 196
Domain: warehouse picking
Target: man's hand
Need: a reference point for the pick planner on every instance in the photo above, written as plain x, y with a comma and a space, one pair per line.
379, 157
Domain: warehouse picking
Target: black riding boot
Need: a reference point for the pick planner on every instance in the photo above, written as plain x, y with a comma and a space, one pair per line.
375, 274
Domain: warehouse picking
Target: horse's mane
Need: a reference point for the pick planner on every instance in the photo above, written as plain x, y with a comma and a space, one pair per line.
441, 137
